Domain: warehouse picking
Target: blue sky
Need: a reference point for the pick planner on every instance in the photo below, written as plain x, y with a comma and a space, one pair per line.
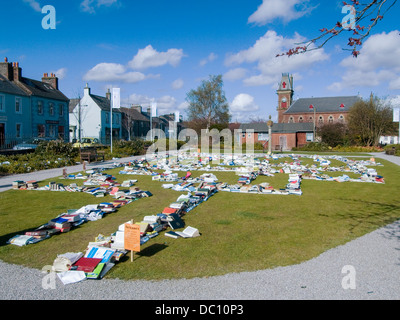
159, 50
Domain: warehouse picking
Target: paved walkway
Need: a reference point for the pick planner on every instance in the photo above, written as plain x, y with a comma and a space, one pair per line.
6, 182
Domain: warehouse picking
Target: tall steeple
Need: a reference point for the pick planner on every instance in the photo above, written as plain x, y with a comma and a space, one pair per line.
285, 95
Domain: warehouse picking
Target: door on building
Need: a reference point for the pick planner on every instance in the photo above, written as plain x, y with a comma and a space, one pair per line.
283, 142
2, 135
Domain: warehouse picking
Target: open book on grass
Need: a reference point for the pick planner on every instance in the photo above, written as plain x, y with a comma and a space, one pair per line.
189, 232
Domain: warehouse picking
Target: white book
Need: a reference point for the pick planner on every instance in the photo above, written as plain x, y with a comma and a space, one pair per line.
189, 232
151, 219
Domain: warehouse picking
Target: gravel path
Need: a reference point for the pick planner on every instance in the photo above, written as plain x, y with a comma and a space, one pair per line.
374, 258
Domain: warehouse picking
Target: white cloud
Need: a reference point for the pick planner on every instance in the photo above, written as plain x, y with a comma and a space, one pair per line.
269, 66
90, 5
114, 72
395, 84
34, 4
177, 84
235, 74
149, 57
165, 104
378, 63
61, 73
244, 102
286, 10
212, 56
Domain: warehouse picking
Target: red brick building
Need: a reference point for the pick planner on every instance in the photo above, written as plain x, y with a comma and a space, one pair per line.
298, 120
324, 109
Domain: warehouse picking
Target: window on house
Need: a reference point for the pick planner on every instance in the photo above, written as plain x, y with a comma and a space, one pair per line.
41, 130
52, 131
2, 105
330, 120
321, 120
51, 109
301, 119
40, 107
311, 119
18, 105
61, 132
18, 130
291, 120
60, 110
107, 118
341, 118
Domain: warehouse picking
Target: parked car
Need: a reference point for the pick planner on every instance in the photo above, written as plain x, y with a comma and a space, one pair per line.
29, 144
86, 142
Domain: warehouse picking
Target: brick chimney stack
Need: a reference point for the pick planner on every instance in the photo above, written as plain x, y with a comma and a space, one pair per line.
51, 80
17, 71
6, 69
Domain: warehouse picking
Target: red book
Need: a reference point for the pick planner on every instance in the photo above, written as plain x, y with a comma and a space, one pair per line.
86, 264
169, 210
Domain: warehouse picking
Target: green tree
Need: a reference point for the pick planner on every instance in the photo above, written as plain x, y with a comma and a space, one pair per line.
208, 105
369, 120
333, 134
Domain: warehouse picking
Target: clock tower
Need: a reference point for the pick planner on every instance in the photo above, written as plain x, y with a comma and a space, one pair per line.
285, 95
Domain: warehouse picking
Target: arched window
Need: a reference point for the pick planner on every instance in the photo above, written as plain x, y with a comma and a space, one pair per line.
341, 118
301, 119
291, 120
330, 119
311, 119
321, 120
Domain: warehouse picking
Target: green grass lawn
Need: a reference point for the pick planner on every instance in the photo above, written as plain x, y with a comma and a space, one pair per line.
239, 232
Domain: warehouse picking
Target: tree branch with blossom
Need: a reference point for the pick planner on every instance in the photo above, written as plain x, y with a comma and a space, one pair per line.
375, 11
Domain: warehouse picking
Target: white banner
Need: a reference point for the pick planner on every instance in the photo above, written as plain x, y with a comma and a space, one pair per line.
396, 115
154, 109
116, 98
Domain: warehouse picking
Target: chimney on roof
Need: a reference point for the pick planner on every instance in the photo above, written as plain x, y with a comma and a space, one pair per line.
51, 80
6, 69
86, 90
108, 94
137, 108
17, 71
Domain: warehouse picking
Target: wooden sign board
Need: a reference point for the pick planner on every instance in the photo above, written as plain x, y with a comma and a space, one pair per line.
132, 237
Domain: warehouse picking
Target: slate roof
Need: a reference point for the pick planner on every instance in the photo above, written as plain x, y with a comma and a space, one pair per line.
134, 114
257, 127
293, 127
278, 127
72, 104
10, 87
103, 103
40, 89
323, 104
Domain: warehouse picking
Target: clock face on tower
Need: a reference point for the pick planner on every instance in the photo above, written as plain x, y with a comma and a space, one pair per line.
284, 103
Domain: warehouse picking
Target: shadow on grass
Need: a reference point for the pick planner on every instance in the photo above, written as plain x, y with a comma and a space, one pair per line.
152, 250
374, 214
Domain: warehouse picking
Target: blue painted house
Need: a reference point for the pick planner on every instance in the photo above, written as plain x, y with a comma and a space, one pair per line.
30, 108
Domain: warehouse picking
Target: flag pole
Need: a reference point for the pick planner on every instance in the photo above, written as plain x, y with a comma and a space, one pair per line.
111, 121
151, 122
